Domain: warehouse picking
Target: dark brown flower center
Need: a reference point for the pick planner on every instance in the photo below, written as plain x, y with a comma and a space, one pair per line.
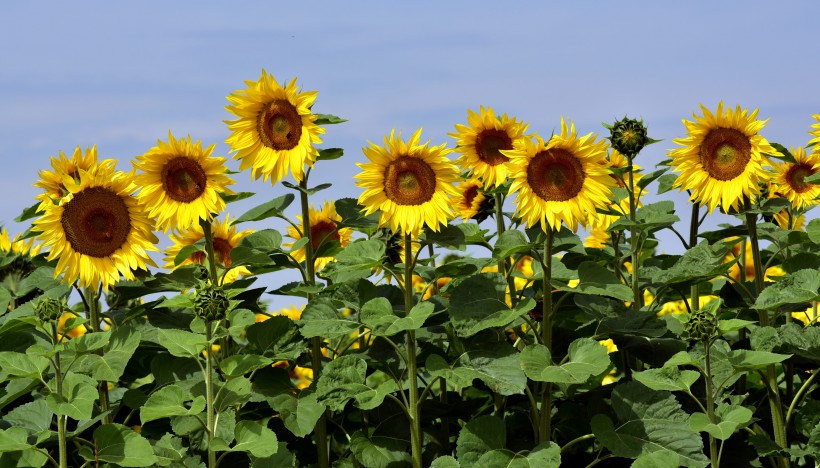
183, 179
796, 175
555, 175
725, 152
279, 125
409, 181
469, 195
322, 231
488, 146
96, 222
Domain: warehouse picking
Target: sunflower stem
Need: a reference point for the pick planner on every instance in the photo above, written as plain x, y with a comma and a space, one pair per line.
637, 298
502, 264
694, 292
93, 310
209, 249
322, 450
710, 403
413, 409
546, 337
209, 394
61, 420
778, 423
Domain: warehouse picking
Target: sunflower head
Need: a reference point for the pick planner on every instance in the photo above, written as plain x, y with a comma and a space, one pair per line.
211, 303
180, 182
50, 309
275, 131
226, 238
815, 131
323, 229
628, 136
472, 203
409, 182
53, 182
99, 231
721, 160
789, 181
561, 181
482, 141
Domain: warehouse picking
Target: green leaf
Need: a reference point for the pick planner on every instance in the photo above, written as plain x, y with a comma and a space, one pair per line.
321, 318
275, 338
170, 401
255, 248
28, 213
327, 119
255, 438
14, 439
377, 315
457, 236
479, 302
233, 393
667, 378
23, 365
730, 419
800, 286
746, 360
329, 154
656, 460
597, 280
283, 457
299, 414
355, 261
273, 208
587, 358
379, 452
352, 216
665, 183
701, 262
188, 250
648, 422
118, 444
240, 364
169, 449
89, 342
343, 379
496, 365
33, 416
77, 399
651, 217
236, 196
813, 230
730, 325
478, 436
181, 343
509, 243
446, 461
110, 367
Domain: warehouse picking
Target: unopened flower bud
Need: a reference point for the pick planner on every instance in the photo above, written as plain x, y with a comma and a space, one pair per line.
628, 136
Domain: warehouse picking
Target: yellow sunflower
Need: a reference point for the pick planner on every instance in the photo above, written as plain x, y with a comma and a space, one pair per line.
275, 131
18, 246
791, 221
180, 182
322, 228
52, 181
598, 238
291, 312
482, 141
469, 199
815, 132
749, 267
225, 239
409, 182
562, 180
99, 231
721, 160
789, 183
75, 332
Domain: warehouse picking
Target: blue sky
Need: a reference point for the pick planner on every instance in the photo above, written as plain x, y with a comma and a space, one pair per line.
120, 75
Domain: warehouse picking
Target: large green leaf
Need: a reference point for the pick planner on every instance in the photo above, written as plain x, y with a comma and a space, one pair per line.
667, 378
509, 243
170, 401
343, 379
651, 217
457, 236
322, 318
729, 419
377, 315
255, 438
478, 436
496, 365
233, 393
119, 444
34, 416
77, 399
701, 262
649, 421
587, 358
22, 365
298, 413
169, 449
355, 261
275, 338
13, 439
120, 348
273, 208
240, 364
379, 452
479, 302
800, 286
182, 343
597, 280
746, 360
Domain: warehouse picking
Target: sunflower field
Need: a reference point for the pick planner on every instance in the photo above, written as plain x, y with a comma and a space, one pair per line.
499, 300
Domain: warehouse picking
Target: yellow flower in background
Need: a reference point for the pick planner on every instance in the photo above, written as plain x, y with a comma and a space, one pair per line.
302, 377
322, 229
431, 290
99, 231
560, 181
181, 183
469, 199
482, 141
75, 332
52, 181
291, 312
808, 316
18, 246
789, 179
610, 345
721, 159
598, 238
679, 307
226, 238
794, 223
409, 182
749, 267
276, 130
815, 132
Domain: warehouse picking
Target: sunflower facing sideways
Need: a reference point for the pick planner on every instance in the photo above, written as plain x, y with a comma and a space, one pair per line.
470, 199
226, 238
561, 181
52, 181
482, 141
322, 229
410, 183
789, 178
180, 182
275, 131
721, 160
99, 231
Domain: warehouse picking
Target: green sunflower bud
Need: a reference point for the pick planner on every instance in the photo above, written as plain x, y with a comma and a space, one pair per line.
702, 326
628, 136
211, 303
50, 309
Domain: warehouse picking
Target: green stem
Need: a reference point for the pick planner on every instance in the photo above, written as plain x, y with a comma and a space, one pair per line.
544, 428
93, 306
415, 423
637, 297
694, 294
209, 249
800, 393
502, 263
209, 395
710, 404
61, 420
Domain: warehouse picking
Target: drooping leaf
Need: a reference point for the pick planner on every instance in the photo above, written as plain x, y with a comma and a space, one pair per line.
509, 243
328, 119
587, 358
479, 302
233, 392
298, 413
667, 378
255, 438
273, 208
379, 452
240, 364
119, 444
343, 379
77, 399
169, 449
322, 318
355, 261
378, 316
597, 280
478, 436
34, 416
800, 286
170, 401
275, 338
120, 348
496, 365
23, 365
746, 360
13, 439
182, 343
729, 419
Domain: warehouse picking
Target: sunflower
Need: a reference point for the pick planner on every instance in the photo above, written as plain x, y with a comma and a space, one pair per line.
322, 229
598, 238
74, 332
180, 182
225, 239
409, 182
470, 198
275, 131
52, 181
291, 312
815, 132
791, 221
789, 179
98, 231
721, 160
562, 180
482, 141
18, 246
749, 267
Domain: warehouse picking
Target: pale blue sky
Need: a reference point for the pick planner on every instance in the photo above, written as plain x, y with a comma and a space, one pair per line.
120, 75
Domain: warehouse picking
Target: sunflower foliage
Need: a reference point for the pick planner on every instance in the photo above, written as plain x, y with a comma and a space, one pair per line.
508, 337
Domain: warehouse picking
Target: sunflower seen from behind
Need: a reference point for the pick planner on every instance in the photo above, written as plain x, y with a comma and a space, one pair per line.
721, 160
323, 229
180, 182
563, 180
275, 131
51, 181
482, 141
226, 238
98, 232
409, 182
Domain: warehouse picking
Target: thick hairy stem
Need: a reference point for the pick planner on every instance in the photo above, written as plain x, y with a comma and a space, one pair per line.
710, 405
637, 297
209, 395
502, 263
415, 423
93, 309
61, 420
546, 338
694, 296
